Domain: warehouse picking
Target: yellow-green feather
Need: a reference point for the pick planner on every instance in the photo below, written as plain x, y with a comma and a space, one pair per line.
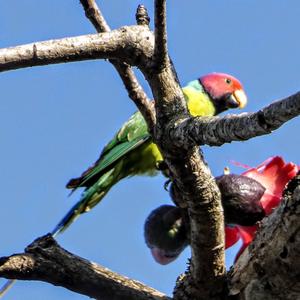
199, 104
143, 160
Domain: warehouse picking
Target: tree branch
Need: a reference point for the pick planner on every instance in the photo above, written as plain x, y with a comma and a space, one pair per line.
45, 260
205, 278
270, 267
191, 176
134, 89
94, 14
161, 58
216, 131
133, 44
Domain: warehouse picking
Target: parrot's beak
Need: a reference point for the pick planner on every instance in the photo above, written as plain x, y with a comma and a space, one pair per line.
237, 99
240, 98
161, 257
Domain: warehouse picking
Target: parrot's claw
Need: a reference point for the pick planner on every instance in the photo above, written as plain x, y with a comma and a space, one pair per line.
161, 165
166, 184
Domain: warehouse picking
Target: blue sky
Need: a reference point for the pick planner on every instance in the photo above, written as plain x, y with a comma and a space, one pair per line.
54, 121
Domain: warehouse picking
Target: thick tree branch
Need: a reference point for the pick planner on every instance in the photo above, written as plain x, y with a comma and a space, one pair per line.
133, 44
205, 278
216, 131
134, 89
45, 260
270, 267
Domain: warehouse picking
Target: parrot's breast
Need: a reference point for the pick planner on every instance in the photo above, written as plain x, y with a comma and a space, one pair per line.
199, 103
142, 161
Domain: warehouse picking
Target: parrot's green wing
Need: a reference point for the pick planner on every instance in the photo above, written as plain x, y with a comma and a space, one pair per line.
133, 134
113, 156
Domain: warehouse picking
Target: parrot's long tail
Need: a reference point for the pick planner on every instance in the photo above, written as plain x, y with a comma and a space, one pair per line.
79, 208
6, 287
90, 197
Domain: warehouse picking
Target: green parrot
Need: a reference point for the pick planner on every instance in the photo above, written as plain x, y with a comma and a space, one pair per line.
132, 152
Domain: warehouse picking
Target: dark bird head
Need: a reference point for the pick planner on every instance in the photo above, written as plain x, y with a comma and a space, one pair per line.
166, 233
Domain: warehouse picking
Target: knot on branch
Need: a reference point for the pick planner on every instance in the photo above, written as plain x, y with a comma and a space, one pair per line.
41, 243
170, 130
292, 194
142, 17
262, 121
90, 12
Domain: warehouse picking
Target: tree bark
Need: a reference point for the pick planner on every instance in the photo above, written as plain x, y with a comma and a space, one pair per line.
270, 267
45, 260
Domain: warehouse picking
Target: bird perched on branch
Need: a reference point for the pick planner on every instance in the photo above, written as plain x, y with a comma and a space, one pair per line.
132, 152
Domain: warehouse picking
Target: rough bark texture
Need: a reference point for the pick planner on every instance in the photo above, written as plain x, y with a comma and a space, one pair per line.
205, 278
45, 260
217, 131
270, 267
127, 43
161, 56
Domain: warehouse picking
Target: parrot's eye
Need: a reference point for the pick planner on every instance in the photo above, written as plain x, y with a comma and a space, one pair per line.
228, 81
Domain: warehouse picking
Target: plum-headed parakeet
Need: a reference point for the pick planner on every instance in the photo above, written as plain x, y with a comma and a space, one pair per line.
132, 152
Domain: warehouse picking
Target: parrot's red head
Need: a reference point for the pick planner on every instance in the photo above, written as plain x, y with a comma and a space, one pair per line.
225, 91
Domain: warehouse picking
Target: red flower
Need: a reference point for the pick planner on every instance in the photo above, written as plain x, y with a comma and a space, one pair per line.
273, 174
231, 236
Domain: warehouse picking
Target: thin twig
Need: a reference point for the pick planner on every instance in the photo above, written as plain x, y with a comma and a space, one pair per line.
133, 87
161, 48
94, 14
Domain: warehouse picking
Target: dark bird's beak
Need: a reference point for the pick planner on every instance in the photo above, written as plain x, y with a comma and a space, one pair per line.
237, 99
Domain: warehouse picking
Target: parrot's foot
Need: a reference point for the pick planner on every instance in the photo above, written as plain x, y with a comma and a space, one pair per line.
163, 167
166, 185
176, 196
